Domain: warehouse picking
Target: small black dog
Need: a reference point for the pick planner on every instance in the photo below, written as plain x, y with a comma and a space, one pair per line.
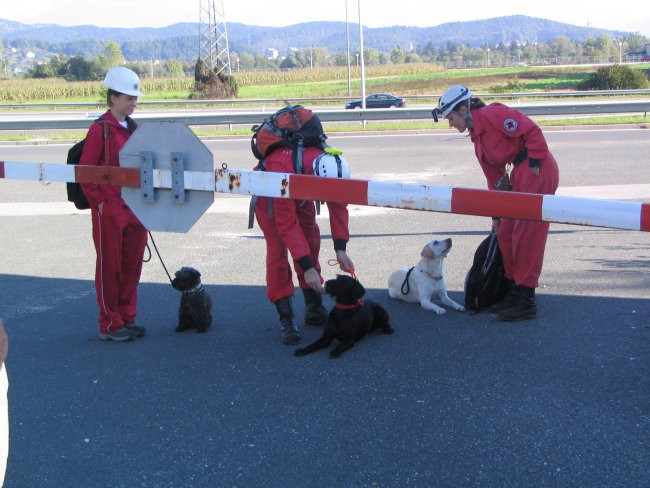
195, 311
350, 319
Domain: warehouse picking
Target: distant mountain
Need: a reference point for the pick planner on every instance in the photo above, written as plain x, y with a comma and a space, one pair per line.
181, 40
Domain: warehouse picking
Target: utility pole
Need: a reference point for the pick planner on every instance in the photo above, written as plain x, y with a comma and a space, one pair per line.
363, 71
347, 36
213, 36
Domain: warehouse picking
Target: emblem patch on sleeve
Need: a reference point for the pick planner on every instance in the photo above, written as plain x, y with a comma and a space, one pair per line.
510, 125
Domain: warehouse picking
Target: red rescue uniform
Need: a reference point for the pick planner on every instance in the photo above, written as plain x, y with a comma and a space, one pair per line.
120, 239
290, 226
500, 134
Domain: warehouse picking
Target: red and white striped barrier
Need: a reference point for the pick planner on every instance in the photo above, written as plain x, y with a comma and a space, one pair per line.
550, 208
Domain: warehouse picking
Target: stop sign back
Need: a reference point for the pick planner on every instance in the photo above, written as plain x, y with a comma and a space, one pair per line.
173, 148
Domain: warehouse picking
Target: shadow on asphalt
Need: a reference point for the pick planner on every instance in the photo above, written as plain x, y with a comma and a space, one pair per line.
556, 401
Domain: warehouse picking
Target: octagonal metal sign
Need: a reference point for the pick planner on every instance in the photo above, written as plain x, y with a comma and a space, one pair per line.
168, 154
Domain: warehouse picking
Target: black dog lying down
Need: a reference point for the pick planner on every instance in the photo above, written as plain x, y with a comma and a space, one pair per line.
195, 310
350, 319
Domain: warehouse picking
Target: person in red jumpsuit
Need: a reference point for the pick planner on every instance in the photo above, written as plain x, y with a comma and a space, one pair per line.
289, 226
120, 239
504, 138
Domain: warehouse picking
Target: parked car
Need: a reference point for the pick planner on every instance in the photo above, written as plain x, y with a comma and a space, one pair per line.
378, 100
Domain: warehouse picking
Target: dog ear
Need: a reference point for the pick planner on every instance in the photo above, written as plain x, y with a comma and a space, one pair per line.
427, 252
358, 291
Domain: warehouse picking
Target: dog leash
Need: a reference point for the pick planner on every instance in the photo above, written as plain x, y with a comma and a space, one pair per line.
406, 282
334, 262
159, 256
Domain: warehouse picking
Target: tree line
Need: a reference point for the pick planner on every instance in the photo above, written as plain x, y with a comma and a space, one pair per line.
79, 68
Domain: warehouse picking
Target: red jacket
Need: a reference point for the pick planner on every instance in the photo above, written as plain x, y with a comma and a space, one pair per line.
286, 211
93, 155
499, 134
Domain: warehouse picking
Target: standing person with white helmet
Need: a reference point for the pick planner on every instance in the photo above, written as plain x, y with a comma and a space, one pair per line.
290, 226
120, 238
504, 138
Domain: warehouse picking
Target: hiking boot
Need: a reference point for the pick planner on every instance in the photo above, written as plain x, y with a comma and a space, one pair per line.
288, 328
524, 306
139, 331
507, 301
315, 313
120, 335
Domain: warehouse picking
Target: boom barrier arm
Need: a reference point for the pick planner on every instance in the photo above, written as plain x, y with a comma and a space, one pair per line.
549, 208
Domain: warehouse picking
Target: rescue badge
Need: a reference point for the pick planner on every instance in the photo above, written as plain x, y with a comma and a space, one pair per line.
510, 125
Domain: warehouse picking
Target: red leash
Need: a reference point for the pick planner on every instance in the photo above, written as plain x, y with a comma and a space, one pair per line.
334, 262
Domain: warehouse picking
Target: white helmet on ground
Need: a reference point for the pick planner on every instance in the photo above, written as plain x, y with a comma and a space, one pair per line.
123, 80
331, 166
448, 101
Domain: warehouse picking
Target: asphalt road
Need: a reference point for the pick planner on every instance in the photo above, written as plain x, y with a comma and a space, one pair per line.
456, 400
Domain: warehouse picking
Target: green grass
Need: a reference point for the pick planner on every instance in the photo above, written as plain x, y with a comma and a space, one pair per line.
406, 80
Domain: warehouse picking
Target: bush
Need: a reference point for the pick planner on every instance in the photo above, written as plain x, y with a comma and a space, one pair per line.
512, 86
615, 77
210, 85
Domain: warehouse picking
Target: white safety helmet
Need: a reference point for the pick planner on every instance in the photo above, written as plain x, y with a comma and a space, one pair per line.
448, 101
123, 80
331, 166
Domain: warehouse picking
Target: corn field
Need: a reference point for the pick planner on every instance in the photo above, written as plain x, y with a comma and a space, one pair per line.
52, 90
56, 89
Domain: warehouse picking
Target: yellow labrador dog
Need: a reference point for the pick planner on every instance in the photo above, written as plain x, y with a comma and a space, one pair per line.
426, 280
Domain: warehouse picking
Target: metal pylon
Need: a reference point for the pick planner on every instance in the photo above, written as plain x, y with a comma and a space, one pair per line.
213, 36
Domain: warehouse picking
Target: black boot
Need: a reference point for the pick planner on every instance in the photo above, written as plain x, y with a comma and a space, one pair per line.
507, 301
315, 313
524, 306
288, 327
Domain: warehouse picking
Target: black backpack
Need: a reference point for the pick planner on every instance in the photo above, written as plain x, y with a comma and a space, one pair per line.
75, 193
485, 283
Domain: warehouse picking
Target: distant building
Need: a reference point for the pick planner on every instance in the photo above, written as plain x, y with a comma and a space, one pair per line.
270, 53
30, 55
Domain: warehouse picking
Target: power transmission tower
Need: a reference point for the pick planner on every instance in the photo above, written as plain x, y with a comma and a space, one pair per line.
213, 36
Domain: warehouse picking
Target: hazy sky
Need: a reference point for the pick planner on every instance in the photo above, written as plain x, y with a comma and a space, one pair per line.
632, 16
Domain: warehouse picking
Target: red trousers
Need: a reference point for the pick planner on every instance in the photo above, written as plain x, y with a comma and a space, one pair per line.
279, 279
120, 240
522, 242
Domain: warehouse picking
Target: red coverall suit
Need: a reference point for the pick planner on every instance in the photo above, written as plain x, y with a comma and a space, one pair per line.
499, 136
292, 226
119, 237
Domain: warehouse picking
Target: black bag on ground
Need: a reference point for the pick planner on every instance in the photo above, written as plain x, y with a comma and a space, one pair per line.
485, 283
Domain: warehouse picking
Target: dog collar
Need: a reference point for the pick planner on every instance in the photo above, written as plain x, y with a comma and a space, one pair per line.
434, 278
197, 288
350, 306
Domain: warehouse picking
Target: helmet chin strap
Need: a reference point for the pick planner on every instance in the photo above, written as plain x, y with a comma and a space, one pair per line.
468, 115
